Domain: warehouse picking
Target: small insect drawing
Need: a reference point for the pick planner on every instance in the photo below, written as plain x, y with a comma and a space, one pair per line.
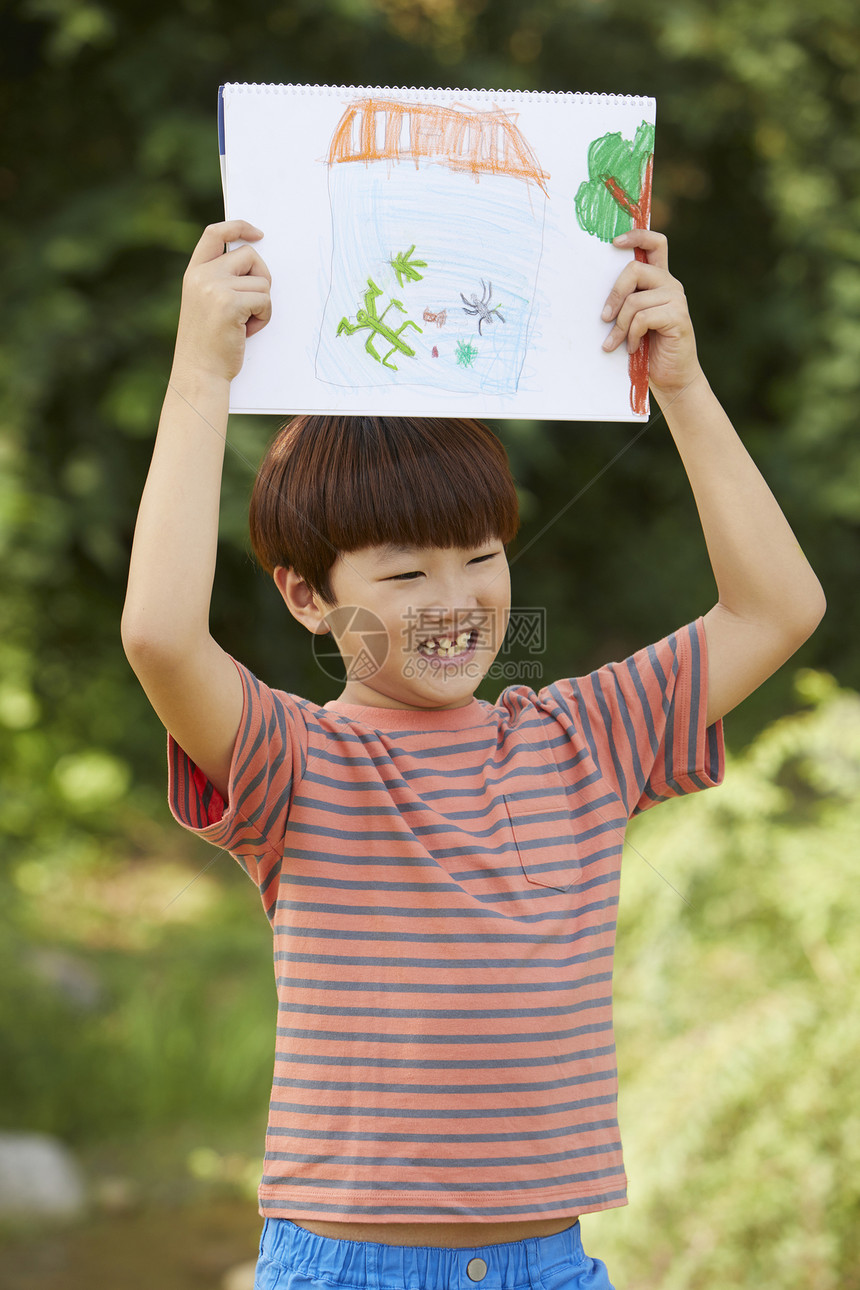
368, 319
480, 309
405, 267
439, 319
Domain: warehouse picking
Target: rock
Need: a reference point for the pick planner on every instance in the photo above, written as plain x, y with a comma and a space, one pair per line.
240, 1277
39, 1178
71, 976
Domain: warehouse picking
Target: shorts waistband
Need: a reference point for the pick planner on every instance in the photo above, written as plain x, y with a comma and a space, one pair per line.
371, 1266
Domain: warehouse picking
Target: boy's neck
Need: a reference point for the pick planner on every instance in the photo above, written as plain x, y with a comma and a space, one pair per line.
357, 695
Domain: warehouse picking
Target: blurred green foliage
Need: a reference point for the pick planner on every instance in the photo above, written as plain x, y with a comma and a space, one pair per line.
121, 1017
109, 170
739, 1047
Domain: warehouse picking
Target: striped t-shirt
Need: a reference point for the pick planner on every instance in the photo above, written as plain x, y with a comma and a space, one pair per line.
443, 891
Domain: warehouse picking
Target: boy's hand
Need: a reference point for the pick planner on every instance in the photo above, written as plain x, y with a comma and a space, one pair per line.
647, 299
225, 298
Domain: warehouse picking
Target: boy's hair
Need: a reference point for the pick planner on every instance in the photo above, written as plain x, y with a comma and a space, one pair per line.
332, 484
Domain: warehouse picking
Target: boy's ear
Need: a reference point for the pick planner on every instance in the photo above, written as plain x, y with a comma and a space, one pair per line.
302, 603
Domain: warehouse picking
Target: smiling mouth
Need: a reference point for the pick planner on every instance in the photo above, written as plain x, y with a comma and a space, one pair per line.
449, 647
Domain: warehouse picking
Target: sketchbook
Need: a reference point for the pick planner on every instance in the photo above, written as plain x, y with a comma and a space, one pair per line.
438, 252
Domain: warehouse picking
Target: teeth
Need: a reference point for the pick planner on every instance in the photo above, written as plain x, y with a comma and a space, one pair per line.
446, 646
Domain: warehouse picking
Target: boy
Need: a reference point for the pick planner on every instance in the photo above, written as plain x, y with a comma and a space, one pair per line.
441, 873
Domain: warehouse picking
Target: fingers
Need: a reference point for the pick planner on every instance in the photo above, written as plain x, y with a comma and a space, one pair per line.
214, 237
654, 244
658, 318
646, 301
645, 296
243, 268
636, 276
244, 262
248, 282
657, 310
259, 307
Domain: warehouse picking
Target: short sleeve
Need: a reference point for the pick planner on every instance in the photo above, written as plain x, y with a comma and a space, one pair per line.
268, 760
644, 720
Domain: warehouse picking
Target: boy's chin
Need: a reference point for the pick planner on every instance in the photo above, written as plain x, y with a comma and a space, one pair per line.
436, 691
445, 676
458, 691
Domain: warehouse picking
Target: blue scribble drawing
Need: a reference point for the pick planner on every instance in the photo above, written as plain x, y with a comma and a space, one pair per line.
466, 189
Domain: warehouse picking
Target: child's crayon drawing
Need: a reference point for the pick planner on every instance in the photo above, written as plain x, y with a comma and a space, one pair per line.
481, 143
444, 197
481, 308
466, 353
368, 319
615, 198
427, 249
404, 267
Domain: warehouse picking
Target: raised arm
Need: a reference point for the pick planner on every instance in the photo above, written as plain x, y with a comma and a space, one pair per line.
191, 683
769, 599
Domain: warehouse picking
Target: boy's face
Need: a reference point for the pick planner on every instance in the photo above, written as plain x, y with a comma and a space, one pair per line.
421, 596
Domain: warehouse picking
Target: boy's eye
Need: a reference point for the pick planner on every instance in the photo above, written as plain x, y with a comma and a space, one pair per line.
402, 577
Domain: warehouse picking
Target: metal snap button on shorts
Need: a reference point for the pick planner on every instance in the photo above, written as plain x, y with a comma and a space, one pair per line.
292, 1258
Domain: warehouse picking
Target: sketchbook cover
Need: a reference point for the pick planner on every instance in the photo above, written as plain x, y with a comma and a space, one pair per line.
438, 252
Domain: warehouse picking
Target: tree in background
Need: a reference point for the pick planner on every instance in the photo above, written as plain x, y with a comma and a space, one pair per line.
110, 170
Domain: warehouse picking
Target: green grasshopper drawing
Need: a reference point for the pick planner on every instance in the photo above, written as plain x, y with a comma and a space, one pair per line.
367, 318
404, 267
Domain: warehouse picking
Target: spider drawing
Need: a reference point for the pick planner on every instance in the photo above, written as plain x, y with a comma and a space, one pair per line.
480, 309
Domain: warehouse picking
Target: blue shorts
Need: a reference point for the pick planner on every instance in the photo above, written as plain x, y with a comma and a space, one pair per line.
292, 1258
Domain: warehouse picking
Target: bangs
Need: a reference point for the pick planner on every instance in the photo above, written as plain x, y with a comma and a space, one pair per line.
336, 484
420, 483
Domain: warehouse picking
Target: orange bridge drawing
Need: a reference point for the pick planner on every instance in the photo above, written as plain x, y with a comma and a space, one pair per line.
487, 142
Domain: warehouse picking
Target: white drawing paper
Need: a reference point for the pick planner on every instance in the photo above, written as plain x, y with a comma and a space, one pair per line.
440, 253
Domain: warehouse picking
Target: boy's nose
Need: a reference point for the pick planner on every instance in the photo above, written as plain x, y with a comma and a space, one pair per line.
452, 594
452, 612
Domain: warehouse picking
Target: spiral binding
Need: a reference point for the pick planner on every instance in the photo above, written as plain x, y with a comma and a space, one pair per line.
571, 96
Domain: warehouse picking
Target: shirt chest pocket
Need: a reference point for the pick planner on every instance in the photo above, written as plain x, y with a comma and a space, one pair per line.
543, 833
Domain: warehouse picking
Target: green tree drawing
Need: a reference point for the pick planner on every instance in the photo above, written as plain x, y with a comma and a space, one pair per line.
616, 196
